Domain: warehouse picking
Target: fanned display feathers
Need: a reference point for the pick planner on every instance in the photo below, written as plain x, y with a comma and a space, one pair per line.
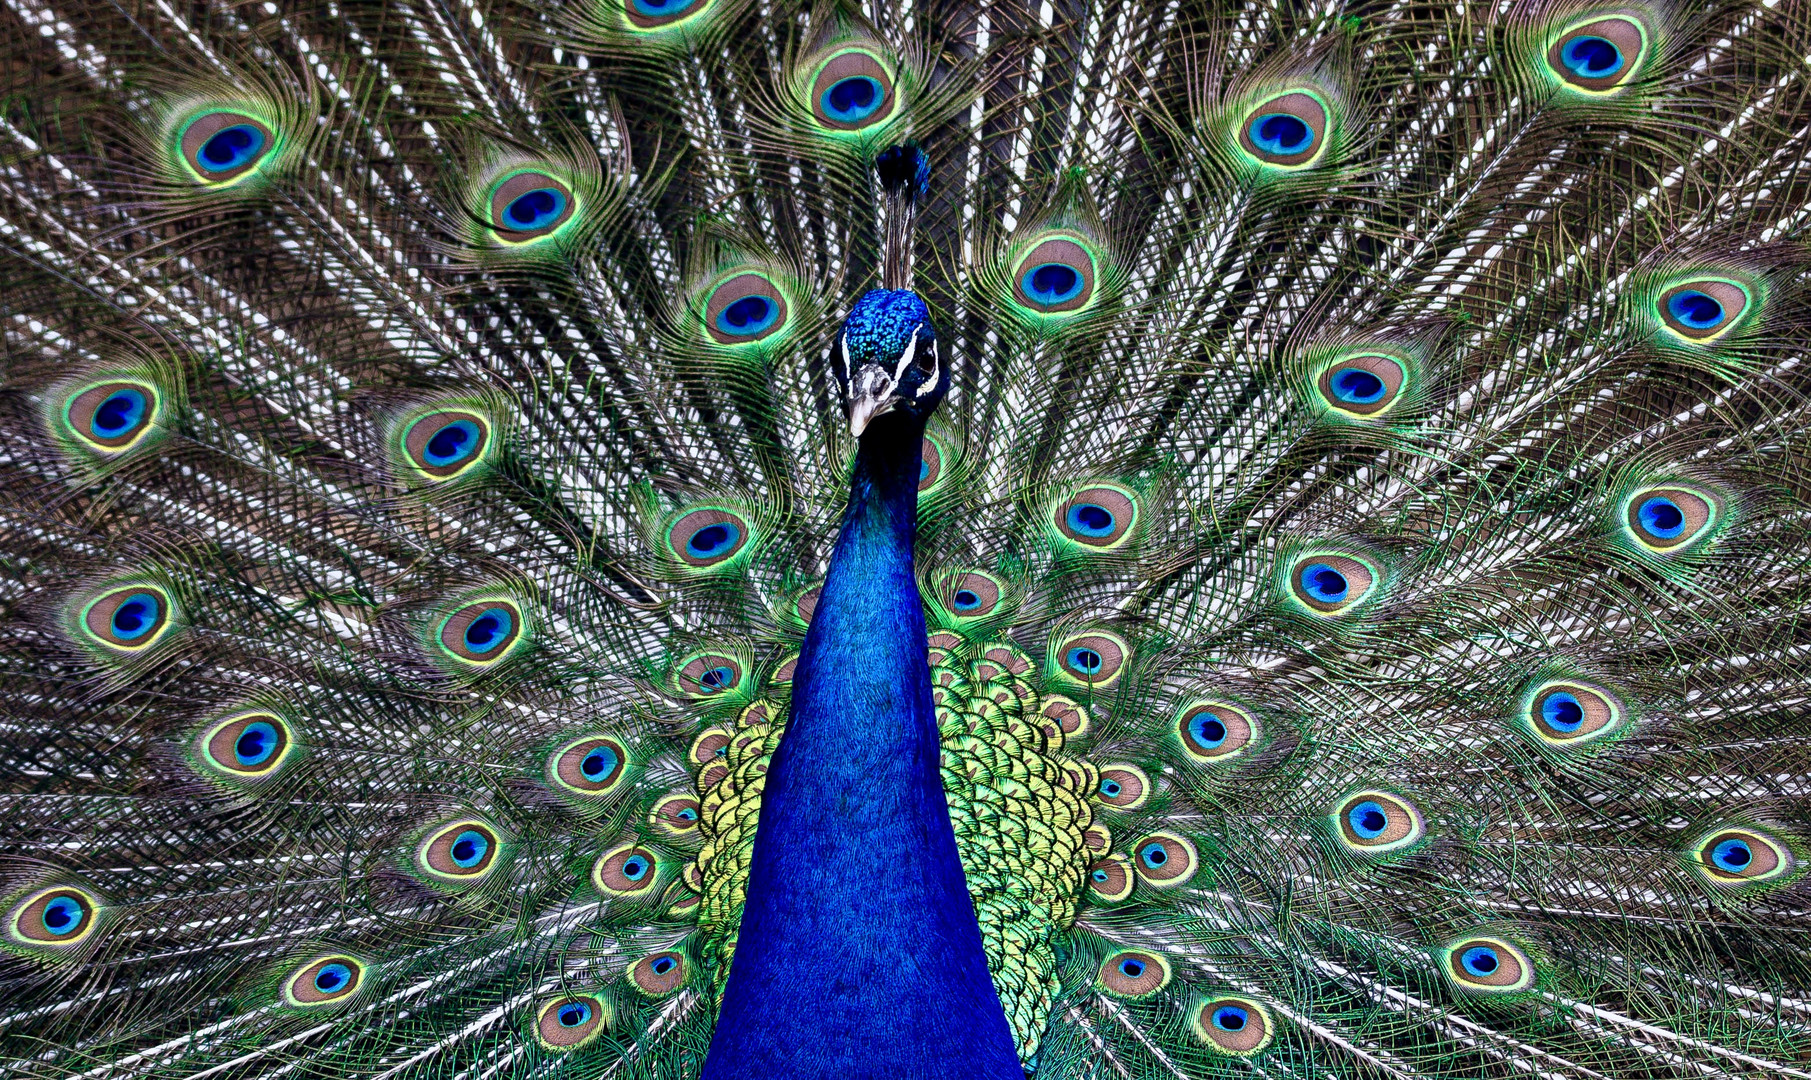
1363, 552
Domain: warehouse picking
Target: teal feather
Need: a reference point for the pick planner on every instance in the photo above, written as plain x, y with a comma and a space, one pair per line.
1355, 409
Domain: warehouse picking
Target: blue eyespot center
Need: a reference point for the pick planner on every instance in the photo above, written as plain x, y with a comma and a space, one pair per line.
967, 600
1099, 876
1662, 517
1110, 788
598, 764
1090, 519
712, 540
1084, 661
660, 7
135, 617
717, 679
854, 99
1231, 1018
1732, 855
1562, 712
574, 1014
62, 916
1356, 386
1367, 820
663, 965
1052, 283
256, 743
488, 630
748, 316
1480, 960
1591, 57
687, 814
1207, 730
332, 977
1154, 855
1324, 583
1131, 968
1697, 310
635, 868
535, 209
469, 848
924, 471
119, 414
230, 148
1281, 133
452, 444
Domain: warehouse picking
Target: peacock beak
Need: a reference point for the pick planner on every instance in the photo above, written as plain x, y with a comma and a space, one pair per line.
871, 394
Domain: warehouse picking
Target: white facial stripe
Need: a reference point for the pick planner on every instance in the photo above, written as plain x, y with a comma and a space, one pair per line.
905, 358
936, 371
840, 355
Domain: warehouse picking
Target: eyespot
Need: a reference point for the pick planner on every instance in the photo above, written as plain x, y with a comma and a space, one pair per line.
1363, 385
1670, 518
1095, 659
481, 633
707, 537
1070, 717
708, 675
221, 146
1133, 973
655, 14
1110, 880
930, 466
529, 204
744, 308
60, 917
247, 746
1598, 56
626, 870
853, 91
590, 767
1376, 822
447, 442
1233, 1025
1702, 310
571, 1021
1212, 731
1742, 856
1056, 276
1570, 712
1330, 584
114, 415
1289, 130
324, 981
1488, 965
972, 595
1097, 516
128, 618
1123, 786
1164, 860
659, 974
676, 815
462, 852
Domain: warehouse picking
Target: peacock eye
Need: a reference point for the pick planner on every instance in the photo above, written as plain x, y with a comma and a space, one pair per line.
1165, 860
1375, 822
1330, 584
1288, 130
1489, 965
659, 974
743, 309
1095, 659
625, 871
1737, 856
973, 595
324, 981
530, 204
1097, 517
221, 146
1703, 309
567, 1023
1109, 880
708, 537
1571, 713
1669, 518
588, 767
247, 746
1057, 275
1123, 786
460, 853
853, 91
1364, 385
709, 674
481, 633
128, 619
446, 442
60, 917
1232, 1025
1214, 730
930, 464
1598, 56
676, 815
113, 415
654, 14
1134, 973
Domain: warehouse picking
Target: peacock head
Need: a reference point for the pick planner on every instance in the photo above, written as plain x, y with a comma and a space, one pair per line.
887, 359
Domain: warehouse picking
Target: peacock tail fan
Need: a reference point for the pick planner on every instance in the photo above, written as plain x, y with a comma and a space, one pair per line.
1363, 552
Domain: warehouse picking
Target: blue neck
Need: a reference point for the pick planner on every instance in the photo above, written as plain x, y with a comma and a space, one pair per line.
859, 954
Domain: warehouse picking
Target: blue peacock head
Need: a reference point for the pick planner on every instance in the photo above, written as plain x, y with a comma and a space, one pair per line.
887, 359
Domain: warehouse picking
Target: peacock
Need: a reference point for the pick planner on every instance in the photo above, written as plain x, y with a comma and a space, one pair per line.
750, 539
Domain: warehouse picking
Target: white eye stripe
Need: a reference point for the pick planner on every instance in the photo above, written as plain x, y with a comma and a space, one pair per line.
936, 371
905, 358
